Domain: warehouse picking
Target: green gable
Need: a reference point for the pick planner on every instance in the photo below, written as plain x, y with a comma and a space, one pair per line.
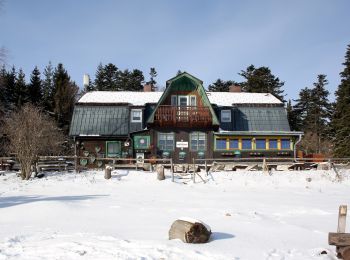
185, 82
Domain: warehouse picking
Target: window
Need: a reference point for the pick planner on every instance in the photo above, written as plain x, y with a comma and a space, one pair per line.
233, 143
174, 100
113, 149
166, 141
136, 115
225, 115
285, 144
198, 141
183, 101
220, 144
273, 144
193, 102
247, 144
141, 142
260, 144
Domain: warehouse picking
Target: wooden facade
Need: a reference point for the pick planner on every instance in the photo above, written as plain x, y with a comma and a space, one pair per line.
182, 124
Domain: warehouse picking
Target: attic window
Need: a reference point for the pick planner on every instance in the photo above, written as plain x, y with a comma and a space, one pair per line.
226, 116
136, 115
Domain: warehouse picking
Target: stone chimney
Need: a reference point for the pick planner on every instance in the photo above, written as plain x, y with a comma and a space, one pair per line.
235, 88
147, 88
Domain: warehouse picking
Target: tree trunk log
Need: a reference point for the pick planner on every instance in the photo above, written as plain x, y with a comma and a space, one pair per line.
189, 232
108, 172
160, 172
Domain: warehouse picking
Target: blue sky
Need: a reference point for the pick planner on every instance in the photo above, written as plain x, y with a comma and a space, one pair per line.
210, 39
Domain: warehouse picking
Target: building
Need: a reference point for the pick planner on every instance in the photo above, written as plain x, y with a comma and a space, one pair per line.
183, 122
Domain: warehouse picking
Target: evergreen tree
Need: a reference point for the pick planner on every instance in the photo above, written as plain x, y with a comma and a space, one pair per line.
261, 80
48, 88
3, 97
292, 117
65, 95
21, 90
302, 108
10, 88
221, 85
153, 74
99, 78
107, 79
312, 115
319, 114
35, 87
341, 116
135, 80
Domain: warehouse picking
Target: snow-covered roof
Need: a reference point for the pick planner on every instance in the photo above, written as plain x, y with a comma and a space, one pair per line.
131, 97
141, 98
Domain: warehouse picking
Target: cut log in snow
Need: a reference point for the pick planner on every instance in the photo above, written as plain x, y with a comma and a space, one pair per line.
160, 172
190, 231
108, 172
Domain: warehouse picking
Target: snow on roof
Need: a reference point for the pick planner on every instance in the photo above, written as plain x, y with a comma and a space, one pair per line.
141, 98
133, 97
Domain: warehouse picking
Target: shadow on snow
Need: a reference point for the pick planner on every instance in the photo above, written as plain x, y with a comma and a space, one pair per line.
6, 202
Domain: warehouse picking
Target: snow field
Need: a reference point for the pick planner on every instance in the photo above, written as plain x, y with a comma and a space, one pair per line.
251, 215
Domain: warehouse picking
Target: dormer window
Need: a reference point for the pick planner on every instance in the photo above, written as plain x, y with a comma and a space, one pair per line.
136, 115
225, 116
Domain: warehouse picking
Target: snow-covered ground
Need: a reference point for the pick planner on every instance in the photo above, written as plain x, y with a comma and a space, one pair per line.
252, 215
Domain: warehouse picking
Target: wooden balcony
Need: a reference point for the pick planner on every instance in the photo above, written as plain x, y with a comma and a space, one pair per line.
183, 116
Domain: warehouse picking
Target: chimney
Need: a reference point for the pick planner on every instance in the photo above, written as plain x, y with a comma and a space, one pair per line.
86, 80
235, 88
147, 88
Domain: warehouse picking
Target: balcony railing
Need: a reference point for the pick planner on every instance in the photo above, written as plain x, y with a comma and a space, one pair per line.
182, 116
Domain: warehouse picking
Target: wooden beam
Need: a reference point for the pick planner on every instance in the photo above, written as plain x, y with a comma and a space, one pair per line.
342, 218
339, 239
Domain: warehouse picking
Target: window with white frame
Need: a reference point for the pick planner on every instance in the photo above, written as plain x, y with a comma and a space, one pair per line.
166, 141
225, 116
136, 115
198, 141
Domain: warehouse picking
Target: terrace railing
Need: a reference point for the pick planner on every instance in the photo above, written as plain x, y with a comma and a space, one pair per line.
192, 116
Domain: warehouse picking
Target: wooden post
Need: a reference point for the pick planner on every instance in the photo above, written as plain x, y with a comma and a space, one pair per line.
342, 218
172, 169
206, 167
108, 172
160, 172
265, 167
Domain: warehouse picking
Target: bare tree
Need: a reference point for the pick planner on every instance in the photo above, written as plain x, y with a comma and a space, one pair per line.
31, 133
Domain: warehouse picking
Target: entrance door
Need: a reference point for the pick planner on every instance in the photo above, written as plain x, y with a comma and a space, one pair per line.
182, 152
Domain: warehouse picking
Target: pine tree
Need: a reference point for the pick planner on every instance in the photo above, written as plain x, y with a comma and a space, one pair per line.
35, 87
65, 95
341, 117
21, 90
99, 77
10, 88
110, 78
292, 117
221, 86
261, 80
135, 80
301, 108
319, 114
48, 88
153, 74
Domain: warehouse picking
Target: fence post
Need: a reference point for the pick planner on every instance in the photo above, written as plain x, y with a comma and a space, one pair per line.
194, 172
206, 166
342, 218
172, 169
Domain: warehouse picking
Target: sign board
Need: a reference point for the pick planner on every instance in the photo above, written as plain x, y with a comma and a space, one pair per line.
181, 144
